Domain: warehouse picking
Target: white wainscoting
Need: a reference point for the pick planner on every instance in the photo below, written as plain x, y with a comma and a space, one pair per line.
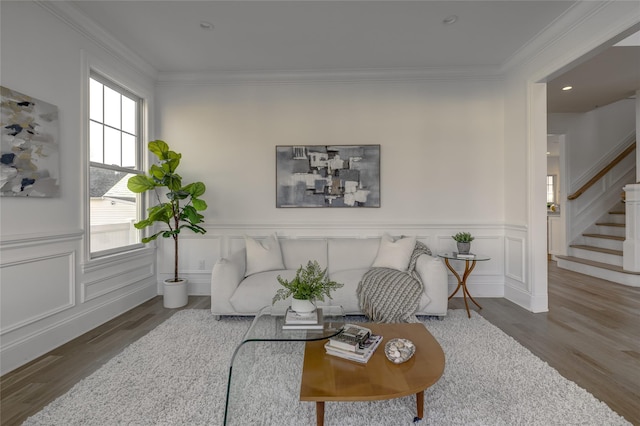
47, 298
22, 279
198, 253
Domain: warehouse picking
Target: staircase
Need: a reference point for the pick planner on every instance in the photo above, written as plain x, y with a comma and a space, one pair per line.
598, 252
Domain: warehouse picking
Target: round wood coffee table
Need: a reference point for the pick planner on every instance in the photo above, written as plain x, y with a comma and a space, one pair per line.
329, 378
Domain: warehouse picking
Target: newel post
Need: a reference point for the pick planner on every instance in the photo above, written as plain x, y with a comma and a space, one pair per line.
631, 245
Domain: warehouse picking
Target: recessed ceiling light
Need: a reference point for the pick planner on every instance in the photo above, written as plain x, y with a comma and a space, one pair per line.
450, 19
206, 25
565, 88
548, 153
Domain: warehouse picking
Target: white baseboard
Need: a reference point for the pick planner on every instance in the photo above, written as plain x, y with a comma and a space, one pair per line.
48, 338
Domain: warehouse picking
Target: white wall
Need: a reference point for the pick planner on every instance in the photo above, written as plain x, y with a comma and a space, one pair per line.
51, 292
441, 159
441, 145
593, 137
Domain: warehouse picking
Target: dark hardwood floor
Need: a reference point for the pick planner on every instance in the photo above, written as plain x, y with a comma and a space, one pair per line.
591, 335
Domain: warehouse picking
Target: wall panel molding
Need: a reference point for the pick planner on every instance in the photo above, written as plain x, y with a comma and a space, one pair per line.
16, 241
19, 281
515, 260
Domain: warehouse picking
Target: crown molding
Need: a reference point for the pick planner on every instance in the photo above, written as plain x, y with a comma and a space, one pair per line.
77, 20
564, 26
329, 76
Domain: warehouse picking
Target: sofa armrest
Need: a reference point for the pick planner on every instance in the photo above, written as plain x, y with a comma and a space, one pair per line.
434, 277
227, 274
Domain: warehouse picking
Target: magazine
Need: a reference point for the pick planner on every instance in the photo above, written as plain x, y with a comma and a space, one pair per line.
361, 354
350, 338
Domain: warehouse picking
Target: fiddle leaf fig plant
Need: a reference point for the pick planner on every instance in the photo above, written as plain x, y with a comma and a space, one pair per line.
182, 206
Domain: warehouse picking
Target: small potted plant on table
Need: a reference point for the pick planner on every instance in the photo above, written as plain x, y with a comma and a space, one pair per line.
311, 283
463, 241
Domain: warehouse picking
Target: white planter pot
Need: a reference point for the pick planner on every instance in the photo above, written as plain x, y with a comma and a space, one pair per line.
300, 305
175, 293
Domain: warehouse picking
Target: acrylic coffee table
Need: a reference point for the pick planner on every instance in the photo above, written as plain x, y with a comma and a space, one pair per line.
329, 378
266, 336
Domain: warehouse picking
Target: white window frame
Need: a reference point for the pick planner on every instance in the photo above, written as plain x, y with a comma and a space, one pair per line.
139, 167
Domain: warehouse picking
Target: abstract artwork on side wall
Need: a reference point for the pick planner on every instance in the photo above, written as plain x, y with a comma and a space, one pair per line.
29, 156
328, 176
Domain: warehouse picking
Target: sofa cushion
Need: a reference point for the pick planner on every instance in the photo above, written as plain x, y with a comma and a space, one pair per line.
296, 252
351, 253
263, 255
256, 291
346, 295
394, 254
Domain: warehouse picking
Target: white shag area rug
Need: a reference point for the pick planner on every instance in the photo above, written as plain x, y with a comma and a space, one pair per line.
177, 375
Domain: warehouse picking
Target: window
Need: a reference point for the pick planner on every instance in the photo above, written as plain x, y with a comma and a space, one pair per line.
551, 189
114, 156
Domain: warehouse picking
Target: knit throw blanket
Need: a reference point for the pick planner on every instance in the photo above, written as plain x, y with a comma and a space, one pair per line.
388, 295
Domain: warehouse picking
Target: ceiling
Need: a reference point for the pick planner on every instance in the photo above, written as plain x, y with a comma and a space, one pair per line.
299, 36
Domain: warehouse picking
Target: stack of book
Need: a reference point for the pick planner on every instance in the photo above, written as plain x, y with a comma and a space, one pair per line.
465, 255
354, 343
303, 321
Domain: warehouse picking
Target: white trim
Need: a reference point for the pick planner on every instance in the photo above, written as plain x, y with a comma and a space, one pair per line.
330, 76
72, 16
26, 240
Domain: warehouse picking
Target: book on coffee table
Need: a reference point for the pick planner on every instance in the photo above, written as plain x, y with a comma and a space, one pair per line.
465, 255
297, 321
350, 338
361, 354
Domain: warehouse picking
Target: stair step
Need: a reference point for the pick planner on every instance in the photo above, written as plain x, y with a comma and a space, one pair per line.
601, 270
617, 212
598, 249
617, 225
604, 236
596, 264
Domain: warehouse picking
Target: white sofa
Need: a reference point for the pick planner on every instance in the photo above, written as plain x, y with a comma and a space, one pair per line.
346, 260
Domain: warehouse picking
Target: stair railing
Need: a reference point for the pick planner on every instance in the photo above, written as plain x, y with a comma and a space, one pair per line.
603, 172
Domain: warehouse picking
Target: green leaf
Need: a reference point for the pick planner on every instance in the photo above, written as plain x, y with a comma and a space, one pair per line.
159, 148
157, 172
160, 213
140, 183
190, 214
173, 182
198, 204
152, 237
196, 189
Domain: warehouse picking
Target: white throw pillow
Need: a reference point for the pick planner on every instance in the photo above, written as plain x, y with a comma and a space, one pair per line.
394, 254
263, 255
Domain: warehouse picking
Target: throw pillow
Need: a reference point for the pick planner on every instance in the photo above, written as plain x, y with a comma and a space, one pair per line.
394, 254
263, 255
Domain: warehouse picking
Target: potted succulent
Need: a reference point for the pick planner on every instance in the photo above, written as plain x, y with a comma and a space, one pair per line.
311, 283
463, 240
181, 210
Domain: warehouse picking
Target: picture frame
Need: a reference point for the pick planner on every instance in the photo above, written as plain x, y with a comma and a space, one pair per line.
327, 176
29, 147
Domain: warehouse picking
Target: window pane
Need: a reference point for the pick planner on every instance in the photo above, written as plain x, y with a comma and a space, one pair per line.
129, 115
95, 100
96, 152
111, 107
113, 210
112, 146
128, 150
113, 142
